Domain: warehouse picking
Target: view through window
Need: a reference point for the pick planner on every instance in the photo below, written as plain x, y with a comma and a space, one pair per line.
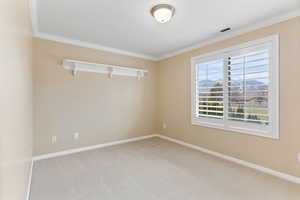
234, 88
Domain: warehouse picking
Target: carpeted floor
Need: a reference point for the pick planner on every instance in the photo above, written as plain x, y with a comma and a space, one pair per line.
152, 169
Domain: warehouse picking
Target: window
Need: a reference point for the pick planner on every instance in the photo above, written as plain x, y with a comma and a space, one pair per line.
237, 88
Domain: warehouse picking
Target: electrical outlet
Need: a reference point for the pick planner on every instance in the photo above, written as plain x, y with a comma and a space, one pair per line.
164, 125
299, 157
76, 136
53, 139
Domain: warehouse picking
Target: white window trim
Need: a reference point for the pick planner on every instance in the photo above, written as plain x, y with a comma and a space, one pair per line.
251, 129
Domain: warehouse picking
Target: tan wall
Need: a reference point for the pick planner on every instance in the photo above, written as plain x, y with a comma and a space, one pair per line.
100, 109
15, 99
175, 106
104, 110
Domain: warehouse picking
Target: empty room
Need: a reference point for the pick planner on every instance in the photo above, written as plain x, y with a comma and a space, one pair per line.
150, 100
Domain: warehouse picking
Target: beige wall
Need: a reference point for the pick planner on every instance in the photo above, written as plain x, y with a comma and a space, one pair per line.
104, 110
100, 109
175, 106
15, 99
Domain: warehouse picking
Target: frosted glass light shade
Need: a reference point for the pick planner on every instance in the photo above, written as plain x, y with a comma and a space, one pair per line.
162, 12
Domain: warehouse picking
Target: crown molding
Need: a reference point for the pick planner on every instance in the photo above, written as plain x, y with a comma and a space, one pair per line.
224, 36
80, 43
57, 38
245, 29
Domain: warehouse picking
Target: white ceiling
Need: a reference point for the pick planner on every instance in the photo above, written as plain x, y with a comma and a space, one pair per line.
126, 26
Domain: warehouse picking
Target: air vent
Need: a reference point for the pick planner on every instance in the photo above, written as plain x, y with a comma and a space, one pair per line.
225, 30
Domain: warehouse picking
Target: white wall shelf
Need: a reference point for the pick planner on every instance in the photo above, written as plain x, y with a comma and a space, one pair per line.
80, 66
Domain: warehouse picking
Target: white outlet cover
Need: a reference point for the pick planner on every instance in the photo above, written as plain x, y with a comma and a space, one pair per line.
299, 157
53, 139
76, 136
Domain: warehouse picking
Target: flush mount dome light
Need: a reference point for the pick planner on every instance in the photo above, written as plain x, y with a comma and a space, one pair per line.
162, 12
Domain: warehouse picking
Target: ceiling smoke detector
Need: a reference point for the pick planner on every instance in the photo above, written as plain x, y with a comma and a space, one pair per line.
163, 12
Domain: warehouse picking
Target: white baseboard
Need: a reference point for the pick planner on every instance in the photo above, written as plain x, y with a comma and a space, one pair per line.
72, 151
281, 175
29, 181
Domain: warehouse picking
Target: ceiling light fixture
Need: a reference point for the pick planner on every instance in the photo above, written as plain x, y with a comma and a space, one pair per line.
163, 12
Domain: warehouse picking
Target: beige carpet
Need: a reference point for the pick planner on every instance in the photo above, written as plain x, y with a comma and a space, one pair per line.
152, 169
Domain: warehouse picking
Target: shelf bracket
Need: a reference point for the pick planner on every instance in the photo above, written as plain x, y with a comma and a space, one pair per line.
140, 74
74, 71
111, 71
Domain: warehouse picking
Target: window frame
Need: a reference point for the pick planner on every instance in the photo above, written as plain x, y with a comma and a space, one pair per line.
270, 131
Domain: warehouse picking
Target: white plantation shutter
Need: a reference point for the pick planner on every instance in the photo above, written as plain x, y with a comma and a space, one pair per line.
210, 99
248, 86
236, 89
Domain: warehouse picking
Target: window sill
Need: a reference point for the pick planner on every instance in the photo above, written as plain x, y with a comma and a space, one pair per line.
231, 127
